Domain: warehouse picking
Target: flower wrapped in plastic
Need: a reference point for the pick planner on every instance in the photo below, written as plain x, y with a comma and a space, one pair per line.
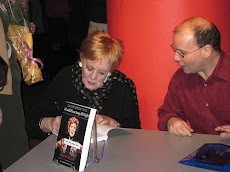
22, 40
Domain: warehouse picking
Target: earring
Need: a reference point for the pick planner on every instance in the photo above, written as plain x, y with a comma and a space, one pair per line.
107, 77
80, 64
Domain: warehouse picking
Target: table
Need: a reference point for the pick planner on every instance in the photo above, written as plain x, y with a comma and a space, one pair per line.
131, 150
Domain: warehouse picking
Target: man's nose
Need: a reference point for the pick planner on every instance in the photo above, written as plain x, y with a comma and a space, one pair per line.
177, 57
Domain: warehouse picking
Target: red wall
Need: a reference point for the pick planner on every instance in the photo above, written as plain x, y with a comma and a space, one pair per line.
146, 27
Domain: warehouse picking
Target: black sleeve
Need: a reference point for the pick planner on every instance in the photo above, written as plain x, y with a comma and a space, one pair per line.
50, 104
129, 112
130, 117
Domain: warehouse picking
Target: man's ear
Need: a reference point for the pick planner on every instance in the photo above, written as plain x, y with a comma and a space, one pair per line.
207, 50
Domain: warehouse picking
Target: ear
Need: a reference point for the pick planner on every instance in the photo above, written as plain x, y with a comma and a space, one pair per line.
207, 51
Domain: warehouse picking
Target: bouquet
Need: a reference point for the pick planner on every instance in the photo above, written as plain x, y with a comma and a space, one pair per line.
22, 40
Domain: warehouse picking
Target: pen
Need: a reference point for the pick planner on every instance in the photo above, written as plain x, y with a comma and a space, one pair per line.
59, 111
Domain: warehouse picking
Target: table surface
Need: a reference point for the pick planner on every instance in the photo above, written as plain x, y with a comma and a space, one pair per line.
125, 150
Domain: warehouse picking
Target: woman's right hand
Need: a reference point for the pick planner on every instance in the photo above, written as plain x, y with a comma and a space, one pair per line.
51, 124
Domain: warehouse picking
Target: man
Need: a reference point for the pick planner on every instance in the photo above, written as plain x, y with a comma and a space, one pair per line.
198, 97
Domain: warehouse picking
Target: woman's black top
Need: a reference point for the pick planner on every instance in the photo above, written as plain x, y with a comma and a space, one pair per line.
120, 103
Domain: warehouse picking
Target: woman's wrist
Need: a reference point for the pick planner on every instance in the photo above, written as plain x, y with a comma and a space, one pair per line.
45, 124
117, 124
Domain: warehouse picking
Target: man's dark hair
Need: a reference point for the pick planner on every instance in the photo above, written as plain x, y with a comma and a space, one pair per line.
208, 35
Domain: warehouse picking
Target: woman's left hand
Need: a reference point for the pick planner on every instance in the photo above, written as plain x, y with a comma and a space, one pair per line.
105, 120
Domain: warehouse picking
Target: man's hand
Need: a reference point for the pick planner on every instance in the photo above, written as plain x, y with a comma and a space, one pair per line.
179, 127
224, 129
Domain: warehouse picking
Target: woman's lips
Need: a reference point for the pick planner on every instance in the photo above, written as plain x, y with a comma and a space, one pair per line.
91, 83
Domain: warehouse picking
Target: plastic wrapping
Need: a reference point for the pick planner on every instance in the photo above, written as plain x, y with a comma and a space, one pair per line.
22, 40
212, 156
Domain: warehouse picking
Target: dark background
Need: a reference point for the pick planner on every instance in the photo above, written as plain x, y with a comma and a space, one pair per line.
66, 25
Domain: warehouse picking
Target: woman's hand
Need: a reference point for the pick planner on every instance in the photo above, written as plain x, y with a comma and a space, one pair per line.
51, 124
105, 120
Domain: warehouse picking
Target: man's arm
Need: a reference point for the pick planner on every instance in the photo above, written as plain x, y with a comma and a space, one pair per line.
171, 113
171, 120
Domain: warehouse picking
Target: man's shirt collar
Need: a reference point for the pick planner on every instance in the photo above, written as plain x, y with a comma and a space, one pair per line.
222, 69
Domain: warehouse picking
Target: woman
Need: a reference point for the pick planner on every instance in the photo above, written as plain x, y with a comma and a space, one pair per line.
72, 127
93, 82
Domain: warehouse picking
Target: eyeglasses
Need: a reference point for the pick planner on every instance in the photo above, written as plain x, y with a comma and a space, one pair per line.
102, 74
183, 55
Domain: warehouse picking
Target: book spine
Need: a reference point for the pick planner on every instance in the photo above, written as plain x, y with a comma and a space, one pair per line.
86, 141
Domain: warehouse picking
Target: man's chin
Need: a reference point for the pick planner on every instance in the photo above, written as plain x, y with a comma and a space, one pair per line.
186, 71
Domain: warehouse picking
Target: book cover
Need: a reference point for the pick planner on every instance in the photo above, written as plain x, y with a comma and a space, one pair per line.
74, 136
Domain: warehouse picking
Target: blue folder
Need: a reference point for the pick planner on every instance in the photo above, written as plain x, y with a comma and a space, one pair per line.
212, 156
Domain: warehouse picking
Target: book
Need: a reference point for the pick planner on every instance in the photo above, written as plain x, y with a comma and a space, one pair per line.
102, 132
74, 136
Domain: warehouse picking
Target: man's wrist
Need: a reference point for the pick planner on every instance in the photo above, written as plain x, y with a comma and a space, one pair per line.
170, 120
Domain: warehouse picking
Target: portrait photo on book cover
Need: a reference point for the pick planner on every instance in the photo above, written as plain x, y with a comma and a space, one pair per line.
69, 144
73, 139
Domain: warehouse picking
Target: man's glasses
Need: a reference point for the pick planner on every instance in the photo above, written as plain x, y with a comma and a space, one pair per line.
183, 55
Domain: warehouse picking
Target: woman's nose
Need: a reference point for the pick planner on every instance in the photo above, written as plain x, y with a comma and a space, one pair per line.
94, 75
